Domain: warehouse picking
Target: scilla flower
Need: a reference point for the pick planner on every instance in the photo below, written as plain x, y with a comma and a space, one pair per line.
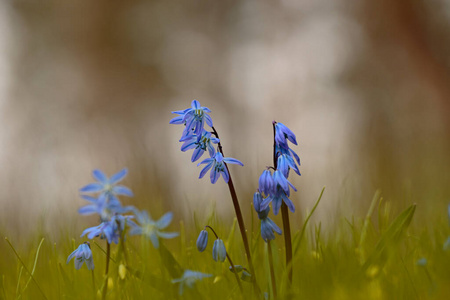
193, 118
111, 230
82, 254
189, 278
217, 163
202, 240
152, 229
267, 225
199, 145
219, 252
282, 134
107, 186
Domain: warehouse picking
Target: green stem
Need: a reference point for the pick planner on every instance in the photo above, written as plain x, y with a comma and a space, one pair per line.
272, 270
105, 285
93, 284
25, 267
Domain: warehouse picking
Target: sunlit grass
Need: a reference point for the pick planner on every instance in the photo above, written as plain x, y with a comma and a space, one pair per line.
372, 256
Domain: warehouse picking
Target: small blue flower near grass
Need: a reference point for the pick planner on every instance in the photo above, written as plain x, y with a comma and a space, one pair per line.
189, 278
108, 186
217, 166
82, 254
219, 252
202, 240
200, 145
268, 227
152, 229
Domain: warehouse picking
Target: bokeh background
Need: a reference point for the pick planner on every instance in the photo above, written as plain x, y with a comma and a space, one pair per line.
91, 84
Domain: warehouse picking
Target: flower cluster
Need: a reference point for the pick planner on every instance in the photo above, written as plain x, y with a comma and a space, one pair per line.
275, 186
113, 222
196, 137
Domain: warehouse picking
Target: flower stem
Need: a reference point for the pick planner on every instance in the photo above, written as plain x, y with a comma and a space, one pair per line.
239, 217
272, 271
93, 284
230, 261
285, 217
105, 285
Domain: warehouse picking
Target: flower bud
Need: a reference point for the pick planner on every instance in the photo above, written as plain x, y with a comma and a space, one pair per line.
202, 240
219, 253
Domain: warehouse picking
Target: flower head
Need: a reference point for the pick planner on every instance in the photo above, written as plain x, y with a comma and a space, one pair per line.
266, 183
193, 118
105, 208
107, 186
217, 163
200, 145
111, 230
202, 240
276, 199
267, 225
283, 134
189, 278
152, 229
82, 254
219, 252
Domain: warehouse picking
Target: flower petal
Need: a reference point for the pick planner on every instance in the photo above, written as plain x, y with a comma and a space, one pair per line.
197, 154
206, 169
122, 190
164, 221
231, 160
92, 188
118, 176
100, 176
168, 235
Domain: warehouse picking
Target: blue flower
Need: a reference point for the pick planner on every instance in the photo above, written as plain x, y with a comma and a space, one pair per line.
111, 230
82, 254
193, 118
107, 186
276, 199
152, 229
189, 278
267, 225
281, 181
285, 163
217, 163
219, 252
202, 240
199, 145
266, 183
282, 134
103, 207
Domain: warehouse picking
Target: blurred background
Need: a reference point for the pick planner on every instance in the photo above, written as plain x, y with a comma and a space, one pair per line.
91, 84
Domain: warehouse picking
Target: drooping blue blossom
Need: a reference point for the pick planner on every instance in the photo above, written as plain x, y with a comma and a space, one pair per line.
199, 145
282, 134
217, 166
193, 118
189, 278
267, 225
202, 240
285, 163
281, 181
108, 186
219, 252
277, 198
111, 230
266, 183
82, 254
152, 229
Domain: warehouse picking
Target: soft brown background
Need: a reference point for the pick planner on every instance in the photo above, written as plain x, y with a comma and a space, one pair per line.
90, 84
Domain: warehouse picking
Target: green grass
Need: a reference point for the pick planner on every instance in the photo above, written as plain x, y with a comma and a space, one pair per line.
372, 256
